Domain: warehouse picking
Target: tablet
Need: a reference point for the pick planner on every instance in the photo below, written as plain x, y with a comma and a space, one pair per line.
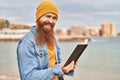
76, 53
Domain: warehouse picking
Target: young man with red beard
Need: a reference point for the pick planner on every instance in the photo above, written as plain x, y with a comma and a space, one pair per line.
38, 52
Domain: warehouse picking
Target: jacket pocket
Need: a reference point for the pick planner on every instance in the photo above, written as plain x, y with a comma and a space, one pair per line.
42, 57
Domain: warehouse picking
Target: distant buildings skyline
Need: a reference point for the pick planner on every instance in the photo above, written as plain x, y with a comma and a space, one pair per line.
106, 29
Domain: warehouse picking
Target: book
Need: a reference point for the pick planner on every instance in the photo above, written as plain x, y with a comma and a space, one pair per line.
76, 53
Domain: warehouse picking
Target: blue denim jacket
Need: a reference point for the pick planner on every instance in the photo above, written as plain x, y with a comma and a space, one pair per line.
33, 60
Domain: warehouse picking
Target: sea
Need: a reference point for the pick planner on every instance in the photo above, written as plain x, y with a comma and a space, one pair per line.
99, 61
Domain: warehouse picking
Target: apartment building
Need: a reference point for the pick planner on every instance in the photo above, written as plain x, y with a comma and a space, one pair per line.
108, 29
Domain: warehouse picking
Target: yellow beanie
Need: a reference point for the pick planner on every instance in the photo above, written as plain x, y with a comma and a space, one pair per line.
45, 7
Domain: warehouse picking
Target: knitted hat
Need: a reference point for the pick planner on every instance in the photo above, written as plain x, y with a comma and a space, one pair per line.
45, 7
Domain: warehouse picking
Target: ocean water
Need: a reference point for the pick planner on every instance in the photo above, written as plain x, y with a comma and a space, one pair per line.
99, 61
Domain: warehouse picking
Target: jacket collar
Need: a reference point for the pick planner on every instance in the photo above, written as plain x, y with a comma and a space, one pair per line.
33, 29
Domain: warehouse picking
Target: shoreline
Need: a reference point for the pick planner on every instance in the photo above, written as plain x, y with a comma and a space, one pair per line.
73, 38
9, 77
11, 37
14, 37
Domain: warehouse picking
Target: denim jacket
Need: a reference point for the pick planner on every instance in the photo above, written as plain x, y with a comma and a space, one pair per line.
33, 60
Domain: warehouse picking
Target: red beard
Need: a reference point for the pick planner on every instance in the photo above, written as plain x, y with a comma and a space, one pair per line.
44, 33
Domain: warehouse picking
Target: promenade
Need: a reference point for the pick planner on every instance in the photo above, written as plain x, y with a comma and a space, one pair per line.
15, 35
12, 35
78, 38
4, 37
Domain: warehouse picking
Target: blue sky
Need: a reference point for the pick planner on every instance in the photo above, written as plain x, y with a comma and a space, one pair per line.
71, 12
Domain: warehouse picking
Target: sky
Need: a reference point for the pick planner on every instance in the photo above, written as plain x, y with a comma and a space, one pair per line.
86, 13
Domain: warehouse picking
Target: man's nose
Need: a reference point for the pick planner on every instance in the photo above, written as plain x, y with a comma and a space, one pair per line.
51, 20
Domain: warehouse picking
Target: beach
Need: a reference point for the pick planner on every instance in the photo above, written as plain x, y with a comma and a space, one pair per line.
5, 77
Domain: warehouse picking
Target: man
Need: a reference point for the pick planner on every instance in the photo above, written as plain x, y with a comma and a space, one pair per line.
38, 52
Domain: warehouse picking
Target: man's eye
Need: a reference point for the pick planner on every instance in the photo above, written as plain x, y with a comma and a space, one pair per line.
48, 16
55, 18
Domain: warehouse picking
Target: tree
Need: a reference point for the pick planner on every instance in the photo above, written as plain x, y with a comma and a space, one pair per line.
4, 23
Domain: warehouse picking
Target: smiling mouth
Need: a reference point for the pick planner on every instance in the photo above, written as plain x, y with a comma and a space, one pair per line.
48, 26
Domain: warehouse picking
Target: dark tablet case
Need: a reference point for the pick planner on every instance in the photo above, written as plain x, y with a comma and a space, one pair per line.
76, 53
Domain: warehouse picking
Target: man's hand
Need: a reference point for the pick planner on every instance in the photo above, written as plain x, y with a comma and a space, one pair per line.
69, 67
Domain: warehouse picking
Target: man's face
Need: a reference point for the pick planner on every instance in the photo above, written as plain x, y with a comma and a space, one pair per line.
47, 22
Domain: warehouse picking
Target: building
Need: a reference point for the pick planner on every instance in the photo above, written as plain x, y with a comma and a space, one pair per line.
108, 29
75, 30
4, 23
95, 30
19, 26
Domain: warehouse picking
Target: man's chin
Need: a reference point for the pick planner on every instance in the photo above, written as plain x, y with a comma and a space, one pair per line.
48, 29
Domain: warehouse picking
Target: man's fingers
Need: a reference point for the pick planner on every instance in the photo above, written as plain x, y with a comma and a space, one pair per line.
69, 67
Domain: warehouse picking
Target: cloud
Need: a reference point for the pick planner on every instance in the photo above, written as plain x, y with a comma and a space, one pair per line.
110, 13
72, 12
88, 5
11, 18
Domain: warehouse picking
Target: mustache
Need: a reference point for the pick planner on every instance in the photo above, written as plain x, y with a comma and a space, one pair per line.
49, 23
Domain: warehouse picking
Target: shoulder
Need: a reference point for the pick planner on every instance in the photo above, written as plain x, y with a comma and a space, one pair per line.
26, 46
27, 41
30, 36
